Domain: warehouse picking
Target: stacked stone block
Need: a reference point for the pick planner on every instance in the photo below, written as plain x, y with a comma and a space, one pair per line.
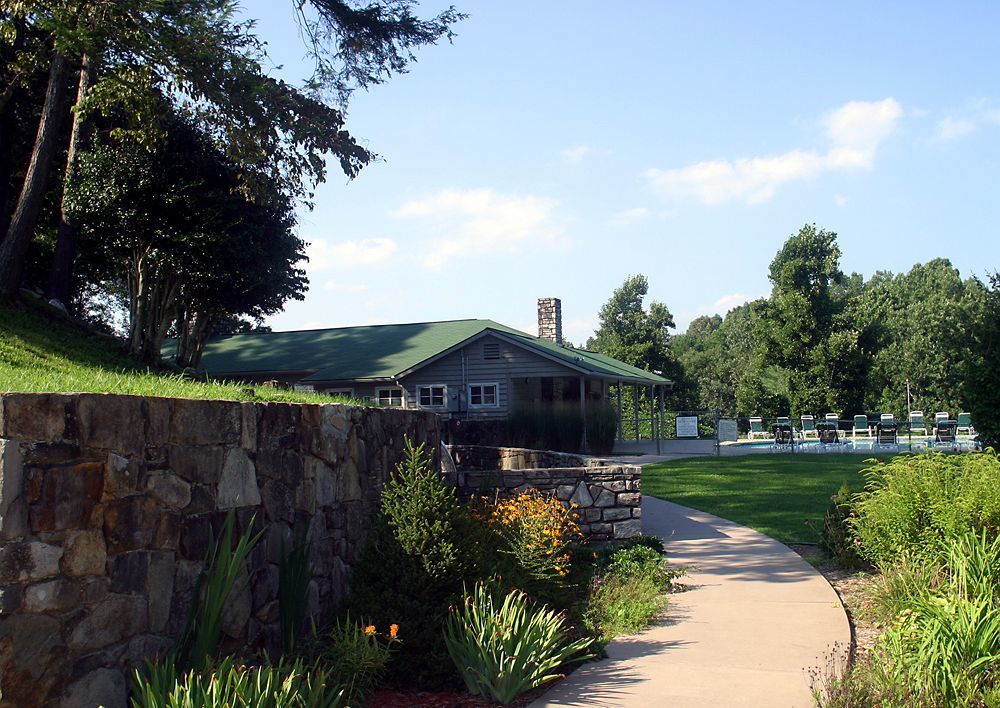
607, 496
108, 504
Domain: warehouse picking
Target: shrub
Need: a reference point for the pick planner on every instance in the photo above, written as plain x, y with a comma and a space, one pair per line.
535, 531
602, 428
281, 685
419, 553
546, 427
628, 592
943, 641
503, 648
354, 656
837, 539
914, 503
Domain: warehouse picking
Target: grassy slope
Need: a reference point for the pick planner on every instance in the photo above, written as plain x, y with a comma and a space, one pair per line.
774, 494
42, 354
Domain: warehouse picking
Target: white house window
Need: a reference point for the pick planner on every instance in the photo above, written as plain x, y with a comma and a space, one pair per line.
483, 395
389, 397
431, 396
491, 350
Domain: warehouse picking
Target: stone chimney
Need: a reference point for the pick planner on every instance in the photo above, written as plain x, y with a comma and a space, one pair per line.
550, 319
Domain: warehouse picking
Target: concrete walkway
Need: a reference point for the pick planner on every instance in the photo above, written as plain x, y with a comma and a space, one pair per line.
756, 618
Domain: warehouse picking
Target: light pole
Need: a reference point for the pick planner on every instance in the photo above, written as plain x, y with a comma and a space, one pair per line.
909, 417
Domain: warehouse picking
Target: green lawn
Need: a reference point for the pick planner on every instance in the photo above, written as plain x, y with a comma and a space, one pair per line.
774, 494
41, 354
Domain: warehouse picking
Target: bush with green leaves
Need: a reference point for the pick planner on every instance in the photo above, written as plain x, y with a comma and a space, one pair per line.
942, 645
354, 655
417, 557
281, 685
913, 503
837, 539
503, 644
627, 592
946, 643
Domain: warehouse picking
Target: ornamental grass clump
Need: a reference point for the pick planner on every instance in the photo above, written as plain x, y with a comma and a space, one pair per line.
504, 647
281, 685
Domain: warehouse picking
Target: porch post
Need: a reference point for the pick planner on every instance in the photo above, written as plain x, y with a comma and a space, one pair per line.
658, 404
635, 406
621, 428
583, 413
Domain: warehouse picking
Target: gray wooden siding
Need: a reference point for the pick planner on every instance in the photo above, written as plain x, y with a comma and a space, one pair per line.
516, 373
514, 364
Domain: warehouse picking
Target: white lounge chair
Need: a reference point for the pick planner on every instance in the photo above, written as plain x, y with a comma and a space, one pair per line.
917, 422
808, 426
940, 416
861, 426
965, 424
757, 428
887, 418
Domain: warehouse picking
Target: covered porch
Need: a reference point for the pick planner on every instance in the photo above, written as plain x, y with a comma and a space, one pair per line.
637, 405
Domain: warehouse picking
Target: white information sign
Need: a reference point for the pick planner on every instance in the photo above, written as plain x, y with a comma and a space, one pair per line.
727, 430
687, 426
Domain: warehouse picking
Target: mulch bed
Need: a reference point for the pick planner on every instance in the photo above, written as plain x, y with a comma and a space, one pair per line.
388, 698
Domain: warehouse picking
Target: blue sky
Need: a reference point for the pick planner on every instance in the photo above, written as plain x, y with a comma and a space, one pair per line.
557, 147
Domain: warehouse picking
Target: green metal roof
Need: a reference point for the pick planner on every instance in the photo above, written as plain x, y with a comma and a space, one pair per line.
385, 351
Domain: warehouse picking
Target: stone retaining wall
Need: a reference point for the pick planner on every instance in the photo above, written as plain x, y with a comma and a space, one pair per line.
608, 498
107, 504
481, 457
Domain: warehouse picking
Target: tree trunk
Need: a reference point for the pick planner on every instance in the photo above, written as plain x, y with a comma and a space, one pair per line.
22, 224
6, 162
193, 329
61, 275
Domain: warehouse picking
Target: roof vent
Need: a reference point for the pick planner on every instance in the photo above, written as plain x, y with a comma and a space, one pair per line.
491, 350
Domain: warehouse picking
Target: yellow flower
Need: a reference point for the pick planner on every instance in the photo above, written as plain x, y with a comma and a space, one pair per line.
393, 630
370, 630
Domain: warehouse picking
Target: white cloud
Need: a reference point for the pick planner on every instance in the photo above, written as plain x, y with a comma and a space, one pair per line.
482, 222
966, 121
861, 126
840, 200
854, 132
575, 153
349, 254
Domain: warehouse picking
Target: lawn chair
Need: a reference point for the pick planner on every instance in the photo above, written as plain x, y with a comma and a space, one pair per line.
945, 432
885, 432
965, 424
861, 426
833, 418
783, 434
828, 434
757, 428
917, 422
808, 426
887, 418
939, 416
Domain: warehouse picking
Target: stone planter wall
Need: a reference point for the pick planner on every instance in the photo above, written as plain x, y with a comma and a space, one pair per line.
481, 457
608, 498
107, 504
